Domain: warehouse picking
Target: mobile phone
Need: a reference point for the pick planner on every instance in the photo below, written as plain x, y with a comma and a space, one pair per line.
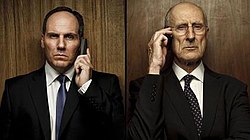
170, 38
84, 46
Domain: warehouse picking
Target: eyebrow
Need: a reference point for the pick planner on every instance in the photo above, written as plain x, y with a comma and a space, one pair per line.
185, 23
54, 33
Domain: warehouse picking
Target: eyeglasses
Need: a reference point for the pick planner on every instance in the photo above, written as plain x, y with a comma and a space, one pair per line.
183, 28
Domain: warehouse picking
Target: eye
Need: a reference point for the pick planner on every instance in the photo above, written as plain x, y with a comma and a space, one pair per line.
181, 27
198, 26
53, 36
70, 36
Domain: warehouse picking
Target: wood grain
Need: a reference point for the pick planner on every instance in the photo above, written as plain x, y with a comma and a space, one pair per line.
20, 34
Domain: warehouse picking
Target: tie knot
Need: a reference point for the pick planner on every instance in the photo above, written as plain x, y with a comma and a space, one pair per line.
188, 78
62, 78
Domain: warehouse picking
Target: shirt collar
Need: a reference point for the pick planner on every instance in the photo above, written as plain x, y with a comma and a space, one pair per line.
197, 72
52, 74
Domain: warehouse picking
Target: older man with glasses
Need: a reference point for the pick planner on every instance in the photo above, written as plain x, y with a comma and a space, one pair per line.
187, 101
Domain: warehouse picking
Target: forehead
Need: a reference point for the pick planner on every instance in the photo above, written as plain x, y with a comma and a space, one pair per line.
186, 13
62, 21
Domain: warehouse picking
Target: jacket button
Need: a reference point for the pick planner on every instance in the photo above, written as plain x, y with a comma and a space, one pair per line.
152, 99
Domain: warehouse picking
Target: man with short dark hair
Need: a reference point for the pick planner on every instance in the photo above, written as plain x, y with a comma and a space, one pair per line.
187, 101
65, 99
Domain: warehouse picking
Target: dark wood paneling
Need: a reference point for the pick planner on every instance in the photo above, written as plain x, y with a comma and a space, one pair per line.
7, 42
20, 33
228, 40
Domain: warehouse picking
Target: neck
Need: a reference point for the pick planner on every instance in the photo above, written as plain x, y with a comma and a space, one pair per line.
188, 66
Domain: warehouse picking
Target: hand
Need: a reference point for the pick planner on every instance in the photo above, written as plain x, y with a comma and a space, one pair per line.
83, 68
157, 51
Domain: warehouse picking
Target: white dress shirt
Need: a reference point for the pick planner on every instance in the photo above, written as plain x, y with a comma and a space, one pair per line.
53, 86
196, 84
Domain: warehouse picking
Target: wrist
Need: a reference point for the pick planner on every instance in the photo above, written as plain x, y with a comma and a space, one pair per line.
154, 70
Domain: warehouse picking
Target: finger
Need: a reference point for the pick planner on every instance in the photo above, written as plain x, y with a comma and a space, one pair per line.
88, 53
161, 40
86, 56
158, 36
85, 61
77, 68
162, 31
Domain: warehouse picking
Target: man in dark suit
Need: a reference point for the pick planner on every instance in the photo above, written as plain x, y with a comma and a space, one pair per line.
187, 101
84, 104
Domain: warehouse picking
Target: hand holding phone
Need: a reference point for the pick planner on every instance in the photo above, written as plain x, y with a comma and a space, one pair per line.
159, 45
82, 65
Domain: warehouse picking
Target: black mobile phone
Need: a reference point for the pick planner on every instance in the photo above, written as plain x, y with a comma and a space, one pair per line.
170, 38
84, 46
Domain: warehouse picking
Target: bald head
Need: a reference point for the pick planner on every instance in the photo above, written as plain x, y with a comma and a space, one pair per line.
184, 9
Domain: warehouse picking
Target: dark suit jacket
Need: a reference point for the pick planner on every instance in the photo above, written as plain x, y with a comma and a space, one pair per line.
162, 111
98, 114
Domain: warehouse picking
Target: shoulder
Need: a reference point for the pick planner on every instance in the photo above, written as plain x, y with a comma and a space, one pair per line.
97, 75
103, 78
231, 79
226, 80
22, 79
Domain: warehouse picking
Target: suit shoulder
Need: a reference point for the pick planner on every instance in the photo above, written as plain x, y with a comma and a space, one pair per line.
20, 79
104, 79
103, 75
227, 79
232, 80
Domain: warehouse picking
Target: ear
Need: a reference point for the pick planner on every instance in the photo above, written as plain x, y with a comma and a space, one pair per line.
42, 41
207, 29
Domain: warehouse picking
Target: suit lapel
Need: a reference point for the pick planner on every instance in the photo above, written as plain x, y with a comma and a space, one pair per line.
38, 92
211, 93
175, 93
71, 104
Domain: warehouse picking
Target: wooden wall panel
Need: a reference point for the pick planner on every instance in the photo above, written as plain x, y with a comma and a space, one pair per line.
28, 52
20, 33
228, 41
7, 42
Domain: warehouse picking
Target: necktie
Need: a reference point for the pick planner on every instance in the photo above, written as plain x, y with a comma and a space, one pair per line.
61, 97
193, 102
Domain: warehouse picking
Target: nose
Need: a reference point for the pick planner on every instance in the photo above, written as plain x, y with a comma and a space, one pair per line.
61, 43
190, 34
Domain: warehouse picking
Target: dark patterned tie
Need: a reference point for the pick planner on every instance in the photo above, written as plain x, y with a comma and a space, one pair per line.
193, 102
61, 97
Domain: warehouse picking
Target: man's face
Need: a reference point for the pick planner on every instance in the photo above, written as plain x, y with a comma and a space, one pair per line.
61, 40
189, 46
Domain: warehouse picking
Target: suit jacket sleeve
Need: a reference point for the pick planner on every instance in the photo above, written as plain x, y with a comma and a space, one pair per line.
104, 97
5, 121
239, 120
147, 119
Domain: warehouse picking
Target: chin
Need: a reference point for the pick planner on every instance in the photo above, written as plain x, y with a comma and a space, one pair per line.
62, 64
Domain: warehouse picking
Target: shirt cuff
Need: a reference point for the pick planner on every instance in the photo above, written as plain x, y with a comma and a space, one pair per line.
82, 90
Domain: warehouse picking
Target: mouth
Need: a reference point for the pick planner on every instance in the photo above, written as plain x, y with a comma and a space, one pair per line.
190, 47
60, 55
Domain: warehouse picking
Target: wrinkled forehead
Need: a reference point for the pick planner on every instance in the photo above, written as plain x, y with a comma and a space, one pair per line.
186, 13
